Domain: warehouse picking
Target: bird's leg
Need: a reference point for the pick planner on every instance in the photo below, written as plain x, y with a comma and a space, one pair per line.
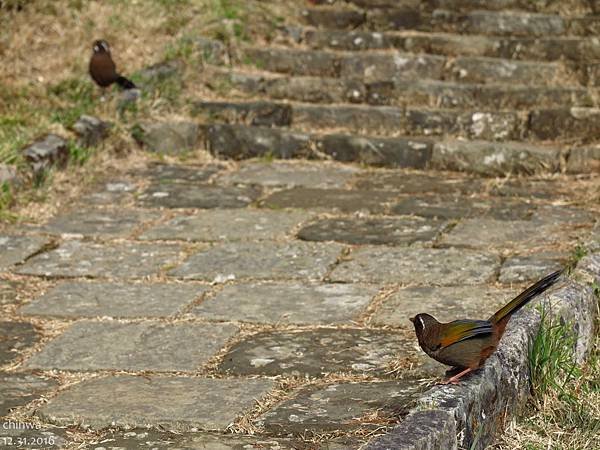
454, 379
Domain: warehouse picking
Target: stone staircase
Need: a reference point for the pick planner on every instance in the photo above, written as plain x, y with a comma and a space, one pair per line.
490, 87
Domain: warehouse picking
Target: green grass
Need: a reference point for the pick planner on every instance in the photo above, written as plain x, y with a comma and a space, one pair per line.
564, 410
551, 365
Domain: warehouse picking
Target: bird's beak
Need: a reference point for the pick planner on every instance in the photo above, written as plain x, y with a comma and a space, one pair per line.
412, 319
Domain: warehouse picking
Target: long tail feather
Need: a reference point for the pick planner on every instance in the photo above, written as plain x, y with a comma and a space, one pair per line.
125, 83
524, 297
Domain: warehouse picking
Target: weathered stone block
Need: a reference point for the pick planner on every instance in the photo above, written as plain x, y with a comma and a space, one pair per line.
318, 174
316, 352
20, 389
389, 231
262, 260
16, 249
416, 266
292, 61
287, 303
14, 338
374, 66
342, 200
124, 260
494, 158
262, 114
239, 141
169, 138
176, 403
389, 152
98, 222
49, 151
244, 224
91, 130
584, 160
573, 123
334, 18
156, 346
341, 406
78, 299
205, 196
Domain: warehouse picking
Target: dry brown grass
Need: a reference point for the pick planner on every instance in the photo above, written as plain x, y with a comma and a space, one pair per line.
564, 412
45, 88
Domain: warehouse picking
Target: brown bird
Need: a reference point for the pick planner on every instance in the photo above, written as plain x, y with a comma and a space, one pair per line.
468, 343
103, 70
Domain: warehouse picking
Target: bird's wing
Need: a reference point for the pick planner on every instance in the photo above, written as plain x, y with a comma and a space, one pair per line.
459, 330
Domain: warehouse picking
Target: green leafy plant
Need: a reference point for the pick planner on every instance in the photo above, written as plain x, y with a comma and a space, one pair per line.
77, 154
551, 363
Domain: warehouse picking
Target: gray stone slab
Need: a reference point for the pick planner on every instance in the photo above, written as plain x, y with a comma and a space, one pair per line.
112, 193
50, 150
495, 158
388, 230
568, 215
77, 299
91, 130
263, 260
333, 199
292, 173
176, 403
15, 249
517, 269
445, 303
342, 406
315, 352
140, 438
502, 234
528, 188
416, 266
418, 183
14, 338
183, 195
168, 138
125, 260
99, 222
456, 207
241, 142
241, 224
91, 345
282, 303
174, 173
35, 436
20, 389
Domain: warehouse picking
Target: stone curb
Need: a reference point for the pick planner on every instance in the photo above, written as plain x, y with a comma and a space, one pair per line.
468, 415
487, 158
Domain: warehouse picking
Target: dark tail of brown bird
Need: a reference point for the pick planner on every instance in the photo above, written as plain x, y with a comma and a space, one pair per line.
524, 297
125, 83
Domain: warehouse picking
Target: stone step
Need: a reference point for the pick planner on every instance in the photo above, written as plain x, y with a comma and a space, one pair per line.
425, 93
563, 6
479, 21
548, 48
559, 124
386, 65
482, 157
371, 120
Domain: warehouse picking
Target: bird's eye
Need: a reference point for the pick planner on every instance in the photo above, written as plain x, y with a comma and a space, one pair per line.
96, 48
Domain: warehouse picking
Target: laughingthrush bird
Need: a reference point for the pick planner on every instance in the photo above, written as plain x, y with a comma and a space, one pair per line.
103, 69
466, 343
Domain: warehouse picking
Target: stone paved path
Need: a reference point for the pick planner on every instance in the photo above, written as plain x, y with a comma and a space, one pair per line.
265, 304
291, 323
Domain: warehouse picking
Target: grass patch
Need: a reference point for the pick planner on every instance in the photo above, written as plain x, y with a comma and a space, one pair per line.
564, 410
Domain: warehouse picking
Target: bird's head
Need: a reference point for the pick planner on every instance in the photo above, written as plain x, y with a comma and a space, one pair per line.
424, 324
101, 46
